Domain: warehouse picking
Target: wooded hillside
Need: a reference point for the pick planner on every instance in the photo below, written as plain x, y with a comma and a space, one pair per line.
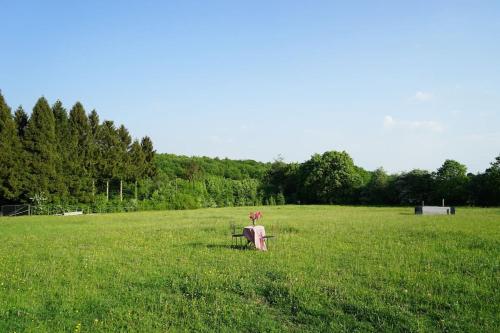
53, 156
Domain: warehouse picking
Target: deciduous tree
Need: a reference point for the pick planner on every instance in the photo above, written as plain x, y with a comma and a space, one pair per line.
330, 178
451, 182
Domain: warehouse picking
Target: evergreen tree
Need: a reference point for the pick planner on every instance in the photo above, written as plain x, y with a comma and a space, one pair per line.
108, 151
40, 145
80, 138
137, 161
94, 122
21, 119
62, 147
124, 168
61, 121
93, 153
10, 150
149, 157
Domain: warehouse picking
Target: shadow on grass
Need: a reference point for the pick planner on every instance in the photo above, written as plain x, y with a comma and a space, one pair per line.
220, 246
230, 247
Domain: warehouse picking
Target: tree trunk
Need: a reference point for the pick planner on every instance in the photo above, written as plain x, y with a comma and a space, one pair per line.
107, 190
121, 190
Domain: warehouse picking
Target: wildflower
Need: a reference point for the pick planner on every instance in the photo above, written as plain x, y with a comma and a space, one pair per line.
254, 216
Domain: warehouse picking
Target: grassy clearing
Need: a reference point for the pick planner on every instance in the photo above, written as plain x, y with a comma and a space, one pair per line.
331, 269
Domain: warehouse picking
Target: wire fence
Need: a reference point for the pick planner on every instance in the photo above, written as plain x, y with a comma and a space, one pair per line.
20, 210
15, 210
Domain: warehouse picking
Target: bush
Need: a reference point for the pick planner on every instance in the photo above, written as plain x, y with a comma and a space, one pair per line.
280, 199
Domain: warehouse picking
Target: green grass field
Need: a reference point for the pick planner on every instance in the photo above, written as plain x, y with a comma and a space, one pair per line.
331, 268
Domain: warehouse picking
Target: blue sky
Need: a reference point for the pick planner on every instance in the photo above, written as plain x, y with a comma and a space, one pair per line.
397, 84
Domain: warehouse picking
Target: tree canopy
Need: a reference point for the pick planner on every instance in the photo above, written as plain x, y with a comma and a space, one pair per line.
74, 158
60, 156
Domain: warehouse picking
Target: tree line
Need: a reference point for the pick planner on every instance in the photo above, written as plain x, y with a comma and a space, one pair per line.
59, 157
66, 157
332, 178
328, 178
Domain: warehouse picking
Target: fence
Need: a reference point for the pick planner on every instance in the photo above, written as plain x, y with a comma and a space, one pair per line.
18, 210
15, 210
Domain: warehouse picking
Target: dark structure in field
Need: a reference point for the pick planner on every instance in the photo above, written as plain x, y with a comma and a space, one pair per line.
434, 210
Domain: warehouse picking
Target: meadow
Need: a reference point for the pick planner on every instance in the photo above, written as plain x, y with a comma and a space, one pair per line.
330, 268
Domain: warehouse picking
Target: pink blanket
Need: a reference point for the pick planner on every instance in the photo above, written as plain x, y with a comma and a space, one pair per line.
256, 235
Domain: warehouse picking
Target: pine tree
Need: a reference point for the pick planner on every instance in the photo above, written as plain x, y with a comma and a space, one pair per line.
125, 142
58, 156
10, 149
93, 149
62, 148
21, 119
61, 121
80, 136
137, 161
108, 151
94, 122
124, 168
149, 157
40, 145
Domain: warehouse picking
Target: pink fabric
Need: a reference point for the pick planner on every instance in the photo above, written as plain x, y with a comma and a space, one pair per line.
256, 235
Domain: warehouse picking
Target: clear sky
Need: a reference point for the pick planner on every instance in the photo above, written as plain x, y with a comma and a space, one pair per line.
397, 84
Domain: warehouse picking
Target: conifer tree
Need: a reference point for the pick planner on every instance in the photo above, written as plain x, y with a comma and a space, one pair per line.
80, 136
10, 149
94, 122
94, 128
21, 119
137, 161
125, 142
62, 148
40, 145
149, 157
61, 121
108, 151
124, 169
